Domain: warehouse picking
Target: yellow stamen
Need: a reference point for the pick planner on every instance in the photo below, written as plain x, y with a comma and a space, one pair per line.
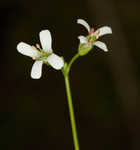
38, 46
33, 58
97, 36
51, 51
33, 47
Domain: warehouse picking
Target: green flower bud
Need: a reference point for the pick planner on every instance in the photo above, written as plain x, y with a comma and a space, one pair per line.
84, 48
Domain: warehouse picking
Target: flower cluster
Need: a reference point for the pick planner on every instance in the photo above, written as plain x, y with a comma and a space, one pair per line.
46, 55
87, 43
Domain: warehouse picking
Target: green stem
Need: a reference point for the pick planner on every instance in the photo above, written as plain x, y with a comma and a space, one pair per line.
71, 112
72, 60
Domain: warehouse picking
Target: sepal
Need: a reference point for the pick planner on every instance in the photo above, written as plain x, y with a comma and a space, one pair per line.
84, 48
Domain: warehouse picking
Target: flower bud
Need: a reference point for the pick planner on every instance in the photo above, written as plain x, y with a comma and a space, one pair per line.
84, 48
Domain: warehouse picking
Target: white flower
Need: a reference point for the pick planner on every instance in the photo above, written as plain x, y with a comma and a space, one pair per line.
93, 36
44, 55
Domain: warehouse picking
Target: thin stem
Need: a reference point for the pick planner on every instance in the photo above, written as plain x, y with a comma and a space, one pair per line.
71, 112
72, 60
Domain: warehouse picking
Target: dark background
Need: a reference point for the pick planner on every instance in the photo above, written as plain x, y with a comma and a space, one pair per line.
105, 86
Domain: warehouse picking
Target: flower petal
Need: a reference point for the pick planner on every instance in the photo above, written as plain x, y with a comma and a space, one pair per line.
27, 50
36, 71
82, 39
46, 40
84, 23
55, 61
101, 45
103, 30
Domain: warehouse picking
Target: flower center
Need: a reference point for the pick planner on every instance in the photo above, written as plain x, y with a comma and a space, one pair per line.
91, 39
42, 54
93, 36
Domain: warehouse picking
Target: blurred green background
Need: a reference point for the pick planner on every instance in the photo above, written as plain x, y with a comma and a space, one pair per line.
105, 86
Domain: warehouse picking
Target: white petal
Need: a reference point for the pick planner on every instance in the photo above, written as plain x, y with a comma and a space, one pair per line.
27, 50
84, 23
103, 30
101, 45
55, 61
46, 40
82, 39
36, 71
